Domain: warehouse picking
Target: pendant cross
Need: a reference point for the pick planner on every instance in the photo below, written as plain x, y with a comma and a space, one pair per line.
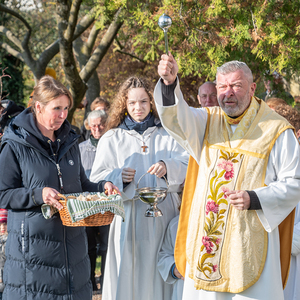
144, 148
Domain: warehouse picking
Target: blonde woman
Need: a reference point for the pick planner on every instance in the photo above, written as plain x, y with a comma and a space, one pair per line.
41, 158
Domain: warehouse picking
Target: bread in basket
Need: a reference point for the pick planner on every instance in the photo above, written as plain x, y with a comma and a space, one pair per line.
77, 211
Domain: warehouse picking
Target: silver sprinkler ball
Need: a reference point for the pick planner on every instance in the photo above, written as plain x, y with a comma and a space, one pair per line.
164, 22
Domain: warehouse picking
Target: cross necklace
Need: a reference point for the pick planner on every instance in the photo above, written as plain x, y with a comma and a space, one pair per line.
144, 140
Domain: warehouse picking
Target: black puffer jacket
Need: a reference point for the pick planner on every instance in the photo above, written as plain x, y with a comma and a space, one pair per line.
45, 260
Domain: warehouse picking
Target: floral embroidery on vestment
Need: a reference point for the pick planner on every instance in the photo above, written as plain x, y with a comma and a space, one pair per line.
216, 210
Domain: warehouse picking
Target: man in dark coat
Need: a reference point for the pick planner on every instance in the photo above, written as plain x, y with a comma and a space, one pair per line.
9, 109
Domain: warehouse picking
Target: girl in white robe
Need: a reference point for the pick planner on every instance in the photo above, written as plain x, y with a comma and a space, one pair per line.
136, 144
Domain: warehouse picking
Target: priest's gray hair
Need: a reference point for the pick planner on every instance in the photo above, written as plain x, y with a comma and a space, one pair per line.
95, 114
233, 66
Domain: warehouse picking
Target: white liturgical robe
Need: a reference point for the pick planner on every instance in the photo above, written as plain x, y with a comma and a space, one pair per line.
187, 125
166, 260
131, 265
292, 289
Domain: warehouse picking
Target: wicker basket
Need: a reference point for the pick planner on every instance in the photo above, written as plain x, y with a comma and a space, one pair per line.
94, 220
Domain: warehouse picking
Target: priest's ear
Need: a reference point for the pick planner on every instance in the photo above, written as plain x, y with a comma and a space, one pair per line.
252, 89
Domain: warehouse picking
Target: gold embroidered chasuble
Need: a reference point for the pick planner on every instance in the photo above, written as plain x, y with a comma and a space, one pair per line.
226, 248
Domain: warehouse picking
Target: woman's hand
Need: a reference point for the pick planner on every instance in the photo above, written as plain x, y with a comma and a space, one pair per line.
128, 174
111, 189
159, 169
50, 197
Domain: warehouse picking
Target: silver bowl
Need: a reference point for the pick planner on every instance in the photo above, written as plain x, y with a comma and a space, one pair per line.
152, 196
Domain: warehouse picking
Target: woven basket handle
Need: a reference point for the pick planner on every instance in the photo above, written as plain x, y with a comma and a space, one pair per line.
62, 197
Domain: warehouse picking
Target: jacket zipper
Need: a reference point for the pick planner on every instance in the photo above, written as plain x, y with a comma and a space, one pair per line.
65, 245
23, 237
60, 178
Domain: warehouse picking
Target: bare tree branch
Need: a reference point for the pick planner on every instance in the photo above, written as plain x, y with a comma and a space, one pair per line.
84, 23
11, 37
73, 17
131, 55
102, 48
119, 43
15, 14
18, 16
1, 84
91, 40
53, 49
12, 51
76, 85
46, 56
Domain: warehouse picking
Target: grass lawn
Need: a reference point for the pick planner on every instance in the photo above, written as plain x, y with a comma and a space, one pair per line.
98, 266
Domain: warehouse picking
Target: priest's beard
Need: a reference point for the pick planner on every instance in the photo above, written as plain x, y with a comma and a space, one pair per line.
237, 110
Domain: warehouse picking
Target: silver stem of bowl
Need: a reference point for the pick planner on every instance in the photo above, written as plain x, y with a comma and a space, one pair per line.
164, 22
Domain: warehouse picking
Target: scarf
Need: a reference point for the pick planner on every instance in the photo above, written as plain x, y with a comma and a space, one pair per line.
140, 127
94, 141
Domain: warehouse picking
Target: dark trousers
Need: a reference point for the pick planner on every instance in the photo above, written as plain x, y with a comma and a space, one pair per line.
97, 246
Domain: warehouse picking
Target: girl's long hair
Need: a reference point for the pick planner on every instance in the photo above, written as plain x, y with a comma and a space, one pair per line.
119, 107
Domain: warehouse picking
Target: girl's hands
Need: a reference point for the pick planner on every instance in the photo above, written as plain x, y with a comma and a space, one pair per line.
159, 169
128, 174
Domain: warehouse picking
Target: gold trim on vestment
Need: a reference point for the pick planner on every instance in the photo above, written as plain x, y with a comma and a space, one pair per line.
240, 151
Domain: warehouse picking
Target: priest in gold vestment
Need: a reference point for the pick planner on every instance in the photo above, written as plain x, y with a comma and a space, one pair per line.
236, 221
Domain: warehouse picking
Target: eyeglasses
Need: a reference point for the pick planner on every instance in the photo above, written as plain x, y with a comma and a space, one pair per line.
94, 126
212, 96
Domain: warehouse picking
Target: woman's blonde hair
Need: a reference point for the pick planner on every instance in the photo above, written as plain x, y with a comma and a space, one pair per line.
118, 108
47, 90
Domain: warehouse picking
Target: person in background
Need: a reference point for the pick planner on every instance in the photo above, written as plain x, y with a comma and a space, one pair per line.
274, 85
291, 114
166, 261
297, 103
273, 102
41, 158
96, 120
3, 238
135, 148
239, 203
99, 103
207, 94
98, 234
8, 110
